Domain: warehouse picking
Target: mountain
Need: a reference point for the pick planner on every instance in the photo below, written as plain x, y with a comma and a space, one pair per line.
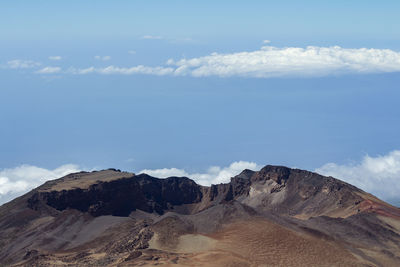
273, 217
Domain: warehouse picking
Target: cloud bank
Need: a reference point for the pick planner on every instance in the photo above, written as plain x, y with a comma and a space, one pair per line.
160, 71
378, 175
272, 61
19, 180
266, 62
214, 175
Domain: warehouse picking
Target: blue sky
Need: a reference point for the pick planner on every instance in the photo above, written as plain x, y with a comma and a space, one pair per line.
289, 20
264, 82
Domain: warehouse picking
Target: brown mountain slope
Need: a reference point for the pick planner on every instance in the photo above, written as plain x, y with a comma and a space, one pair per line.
274, 217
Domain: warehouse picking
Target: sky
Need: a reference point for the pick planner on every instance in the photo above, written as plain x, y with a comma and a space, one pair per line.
200, 89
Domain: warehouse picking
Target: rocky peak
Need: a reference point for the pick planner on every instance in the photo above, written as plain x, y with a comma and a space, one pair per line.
120, 196
67, 216
273, 188
279, 174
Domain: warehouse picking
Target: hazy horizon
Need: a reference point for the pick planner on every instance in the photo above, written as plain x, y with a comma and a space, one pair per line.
200, 89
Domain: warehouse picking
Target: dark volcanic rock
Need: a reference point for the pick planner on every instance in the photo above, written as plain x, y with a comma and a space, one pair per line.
279, 174
117, 218
301, 192
122, 196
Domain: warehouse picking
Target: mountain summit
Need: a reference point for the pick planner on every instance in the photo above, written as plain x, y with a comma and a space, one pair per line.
274, 217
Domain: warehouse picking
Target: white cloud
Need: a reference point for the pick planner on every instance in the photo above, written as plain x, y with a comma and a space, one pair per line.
55, 57
272, 61
165, 172
102, 58
266, 41
81, 71
22, 64
268, 61
152, 37
214, 175
49, 70
378, 175
132, 52
19, 180
140, 69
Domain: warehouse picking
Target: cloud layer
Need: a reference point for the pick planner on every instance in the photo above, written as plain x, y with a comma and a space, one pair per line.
378, 175
272, 61
19, 180
125, 71
214, 175
268, 61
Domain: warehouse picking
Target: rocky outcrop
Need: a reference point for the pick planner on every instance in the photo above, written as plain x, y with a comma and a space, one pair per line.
121, 197
273, 188
117, 218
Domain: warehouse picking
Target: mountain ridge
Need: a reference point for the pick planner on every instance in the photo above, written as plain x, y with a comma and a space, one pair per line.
78, 213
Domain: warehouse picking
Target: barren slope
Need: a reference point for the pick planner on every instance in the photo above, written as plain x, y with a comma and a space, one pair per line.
274, 217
